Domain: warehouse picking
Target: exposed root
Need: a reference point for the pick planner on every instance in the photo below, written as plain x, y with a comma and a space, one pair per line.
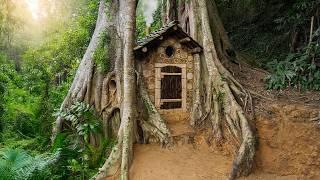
316, 119
118, 161
242, 165
234, 102
154, 125
112, 165
226, 103
260, 96
107, 112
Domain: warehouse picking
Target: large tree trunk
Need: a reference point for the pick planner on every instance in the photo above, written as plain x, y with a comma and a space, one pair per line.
224, 48
171, 11
227, 105
219, 99
81, 85
129, 90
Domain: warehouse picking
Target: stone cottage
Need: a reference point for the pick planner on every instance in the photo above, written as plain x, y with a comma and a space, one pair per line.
168, 58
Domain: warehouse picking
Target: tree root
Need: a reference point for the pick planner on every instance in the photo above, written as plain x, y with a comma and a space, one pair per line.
316, 119
154, 125
112, 165
226, 103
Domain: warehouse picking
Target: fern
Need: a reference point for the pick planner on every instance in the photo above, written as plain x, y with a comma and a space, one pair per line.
83, 118
17, 164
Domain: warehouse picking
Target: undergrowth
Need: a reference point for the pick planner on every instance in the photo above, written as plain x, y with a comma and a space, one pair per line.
80, 159
299, 70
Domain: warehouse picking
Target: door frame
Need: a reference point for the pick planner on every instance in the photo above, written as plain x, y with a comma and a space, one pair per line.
158, 77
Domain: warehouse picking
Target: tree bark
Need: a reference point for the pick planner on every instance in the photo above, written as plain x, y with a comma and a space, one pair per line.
172, 11
224, 48
219, 100
226, 104
129, 90
83, 78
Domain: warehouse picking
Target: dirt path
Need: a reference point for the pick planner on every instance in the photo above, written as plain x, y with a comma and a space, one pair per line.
184, 162
181, 162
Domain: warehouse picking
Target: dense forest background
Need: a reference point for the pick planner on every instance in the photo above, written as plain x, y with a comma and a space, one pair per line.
40, 51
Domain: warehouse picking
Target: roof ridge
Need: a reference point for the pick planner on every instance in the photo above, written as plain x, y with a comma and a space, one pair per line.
162, 29
168, 28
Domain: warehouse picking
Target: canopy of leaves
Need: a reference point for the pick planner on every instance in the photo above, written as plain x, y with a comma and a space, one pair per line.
266, 28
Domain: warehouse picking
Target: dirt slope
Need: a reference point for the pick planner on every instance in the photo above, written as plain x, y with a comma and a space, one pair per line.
288, 147
288, 141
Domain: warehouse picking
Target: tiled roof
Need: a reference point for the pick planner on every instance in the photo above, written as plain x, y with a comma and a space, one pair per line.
155, 34
167, 29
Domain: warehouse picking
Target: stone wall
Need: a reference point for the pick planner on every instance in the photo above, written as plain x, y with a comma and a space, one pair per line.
182, 56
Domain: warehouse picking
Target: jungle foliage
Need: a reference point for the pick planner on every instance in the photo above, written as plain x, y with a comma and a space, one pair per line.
277, 35
35, 75
30, 95
296, 70
33, 82
17, 164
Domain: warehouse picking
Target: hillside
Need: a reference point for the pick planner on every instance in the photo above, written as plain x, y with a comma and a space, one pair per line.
288, 146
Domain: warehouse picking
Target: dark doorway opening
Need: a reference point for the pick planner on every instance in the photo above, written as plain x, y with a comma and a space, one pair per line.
171, 87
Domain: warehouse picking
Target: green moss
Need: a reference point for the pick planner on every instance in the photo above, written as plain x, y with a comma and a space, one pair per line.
148, 105
220, 97
101, 56
108, 11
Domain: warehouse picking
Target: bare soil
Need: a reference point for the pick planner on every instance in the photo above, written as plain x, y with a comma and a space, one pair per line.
181, 162
288, 146
186, 162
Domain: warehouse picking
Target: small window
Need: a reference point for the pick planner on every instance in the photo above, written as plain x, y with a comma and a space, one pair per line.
170, 51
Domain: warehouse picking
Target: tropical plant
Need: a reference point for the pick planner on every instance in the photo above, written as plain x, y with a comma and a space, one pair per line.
28, 97
7, 74
19, 165
298, 70
80, 158
82, 118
